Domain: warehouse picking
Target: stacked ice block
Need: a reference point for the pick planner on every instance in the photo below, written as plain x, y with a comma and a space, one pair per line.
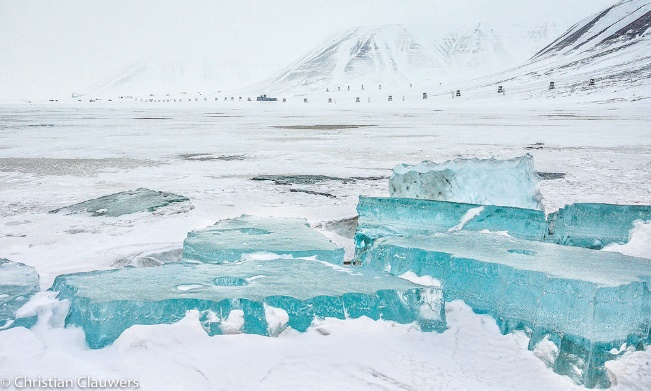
526, 270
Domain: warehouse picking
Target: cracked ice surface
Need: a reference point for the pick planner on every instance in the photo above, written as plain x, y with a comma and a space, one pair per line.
586, 302
512, 182
125, 202
230, 240
18, 283
236, 297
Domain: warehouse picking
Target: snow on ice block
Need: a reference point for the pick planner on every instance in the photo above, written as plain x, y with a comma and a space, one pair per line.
258, 297
18, 282
512, 182
380, 217
589, 306
125, 202
232, 240
595, 225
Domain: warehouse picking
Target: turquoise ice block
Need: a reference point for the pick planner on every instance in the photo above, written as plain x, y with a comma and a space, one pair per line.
125, 202
230, 240
595, 225
589, 303
380, 217
18, 283
105, 303
512, 182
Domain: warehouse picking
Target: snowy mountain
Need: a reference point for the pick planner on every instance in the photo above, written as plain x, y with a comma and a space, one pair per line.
612, 47
618, 26
161, 75
396, 55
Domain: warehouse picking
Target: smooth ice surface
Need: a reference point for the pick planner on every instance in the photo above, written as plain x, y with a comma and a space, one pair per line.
18, 283
595, 225
237, 297
586, 302
380, 217
511, 182
230, 240
124, 202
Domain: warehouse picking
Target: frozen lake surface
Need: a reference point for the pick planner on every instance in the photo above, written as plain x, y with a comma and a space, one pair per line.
57, 155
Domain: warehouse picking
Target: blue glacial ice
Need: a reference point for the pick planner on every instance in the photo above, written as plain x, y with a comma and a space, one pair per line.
511, 182
380, 217
581, 225
592, 305
18, 282
595, 225
233, 240
125, 202
105, 303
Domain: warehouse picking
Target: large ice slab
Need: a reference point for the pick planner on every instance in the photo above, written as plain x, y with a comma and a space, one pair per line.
124, 202
242, 296
380, 217
18, 282
591, 305
230, 240
595, 225
511, 182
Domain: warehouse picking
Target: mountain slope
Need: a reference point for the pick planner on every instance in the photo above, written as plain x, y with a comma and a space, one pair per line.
621, 23
165, 75
396, 55
612, 47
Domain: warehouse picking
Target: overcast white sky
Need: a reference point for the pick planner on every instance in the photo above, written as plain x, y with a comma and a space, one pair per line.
50, 46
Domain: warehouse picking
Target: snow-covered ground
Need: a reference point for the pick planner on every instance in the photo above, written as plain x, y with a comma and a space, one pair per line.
57, 154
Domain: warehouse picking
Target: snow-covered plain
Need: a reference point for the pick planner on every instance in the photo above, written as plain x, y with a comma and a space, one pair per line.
58, 154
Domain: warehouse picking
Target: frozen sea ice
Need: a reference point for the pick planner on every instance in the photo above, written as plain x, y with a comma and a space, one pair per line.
512, 182
595, 225
592, 305
379, 217
18, 282
125, 202
231, 240
239, 297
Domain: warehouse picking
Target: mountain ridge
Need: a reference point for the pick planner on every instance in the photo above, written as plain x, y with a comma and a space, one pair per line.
391, 55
